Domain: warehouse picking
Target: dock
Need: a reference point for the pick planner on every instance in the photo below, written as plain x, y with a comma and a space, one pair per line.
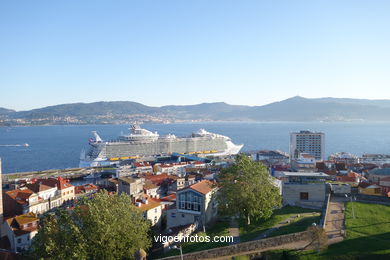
70, 173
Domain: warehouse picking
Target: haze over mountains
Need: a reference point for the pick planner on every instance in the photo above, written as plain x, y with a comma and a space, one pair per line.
292, 109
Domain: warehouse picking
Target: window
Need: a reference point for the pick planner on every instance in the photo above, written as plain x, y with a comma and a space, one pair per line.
155, 210
19, 240
173, 215
155, 219
304, 196
183, 216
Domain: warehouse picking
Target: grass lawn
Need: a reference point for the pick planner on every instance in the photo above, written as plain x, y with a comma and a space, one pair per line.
219, 229
250, 232
368, 235
299, 225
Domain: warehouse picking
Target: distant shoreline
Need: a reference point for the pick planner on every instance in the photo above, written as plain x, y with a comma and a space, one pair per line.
202, 122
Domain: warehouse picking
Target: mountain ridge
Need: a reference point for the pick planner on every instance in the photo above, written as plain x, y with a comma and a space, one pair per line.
292, 109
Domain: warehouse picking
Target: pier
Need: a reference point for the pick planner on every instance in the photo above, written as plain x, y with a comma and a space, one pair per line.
70, 173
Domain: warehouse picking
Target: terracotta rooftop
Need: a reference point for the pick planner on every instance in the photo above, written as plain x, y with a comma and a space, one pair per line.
152, 203
203, 187
16, 222
158, 179
38, 187
149, 185
142, 164
113, 180
20, 195
26, 218
86, 188
170, 197
127, 179
59, 182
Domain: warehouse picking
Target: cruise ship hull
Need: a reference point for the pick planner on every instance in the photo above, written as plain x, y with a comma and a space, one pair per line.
104, 153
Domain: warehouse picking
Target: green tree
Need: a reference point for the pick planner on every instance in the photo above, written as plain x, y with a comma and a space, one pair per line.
247, 189
104, 227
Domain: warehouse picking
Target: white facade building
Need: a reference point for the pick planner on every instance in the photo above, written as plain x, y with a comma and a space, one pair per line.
307, 142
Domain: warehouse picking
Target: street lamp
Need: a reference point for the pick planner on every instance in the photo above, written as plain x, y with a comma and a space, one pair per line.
353, 210
181, 250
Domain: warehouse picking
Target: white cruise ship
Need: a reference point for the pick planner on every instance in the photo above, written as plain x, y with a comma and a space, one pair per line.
140, 143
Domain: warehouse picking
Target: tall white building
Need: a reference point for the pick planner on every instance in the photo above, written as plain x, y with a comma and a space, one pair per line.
307, 142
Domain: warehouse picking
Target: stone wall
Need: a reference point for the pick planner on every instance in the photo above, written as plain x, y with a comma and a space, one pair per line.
363, 197
325, 211
316, 191
247, 247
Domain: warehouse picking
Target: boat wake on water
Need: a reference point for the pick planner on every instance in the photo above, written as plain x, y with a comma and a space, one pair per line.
15, 145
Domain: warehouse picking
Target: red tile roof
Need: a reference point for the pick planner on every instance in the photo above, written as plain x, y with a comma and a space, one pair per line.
159, 179
38, 187
169, 198
20, 195
203, 187
346, 179
16, 223
87, 188
60, 182
152, 203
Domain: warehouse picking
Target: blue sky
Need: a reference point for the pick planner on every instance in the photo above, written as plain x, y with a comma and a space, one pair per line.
187, 52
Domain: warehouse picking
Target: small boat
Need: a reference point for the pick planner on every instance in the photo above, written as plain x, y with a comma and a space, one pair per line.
92, 176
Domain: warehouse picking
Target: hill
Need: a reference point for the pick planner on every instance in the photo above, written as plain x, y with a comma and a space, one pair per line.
292, 109
5, 111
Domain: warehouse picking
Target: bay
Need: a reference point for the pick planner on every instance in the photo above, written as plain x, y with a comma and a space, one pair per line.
59, 147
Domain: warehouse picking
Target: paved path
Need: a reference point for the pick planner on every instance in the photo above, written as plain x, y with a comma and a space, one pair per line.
234, 230
334, 225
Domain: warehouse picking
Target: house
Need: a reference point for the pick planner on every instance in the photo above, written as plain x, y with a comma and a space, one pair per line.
152, 210
110, 184
369, 189
182, 182
170, 168
271, 157
385, 182
143, 167
65, 189
20, 230
151, 189
23, 200
304, 189
304, 163
194, 204
351, 177
132, 186
47, 193
86, 189
43, 191
376, 175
